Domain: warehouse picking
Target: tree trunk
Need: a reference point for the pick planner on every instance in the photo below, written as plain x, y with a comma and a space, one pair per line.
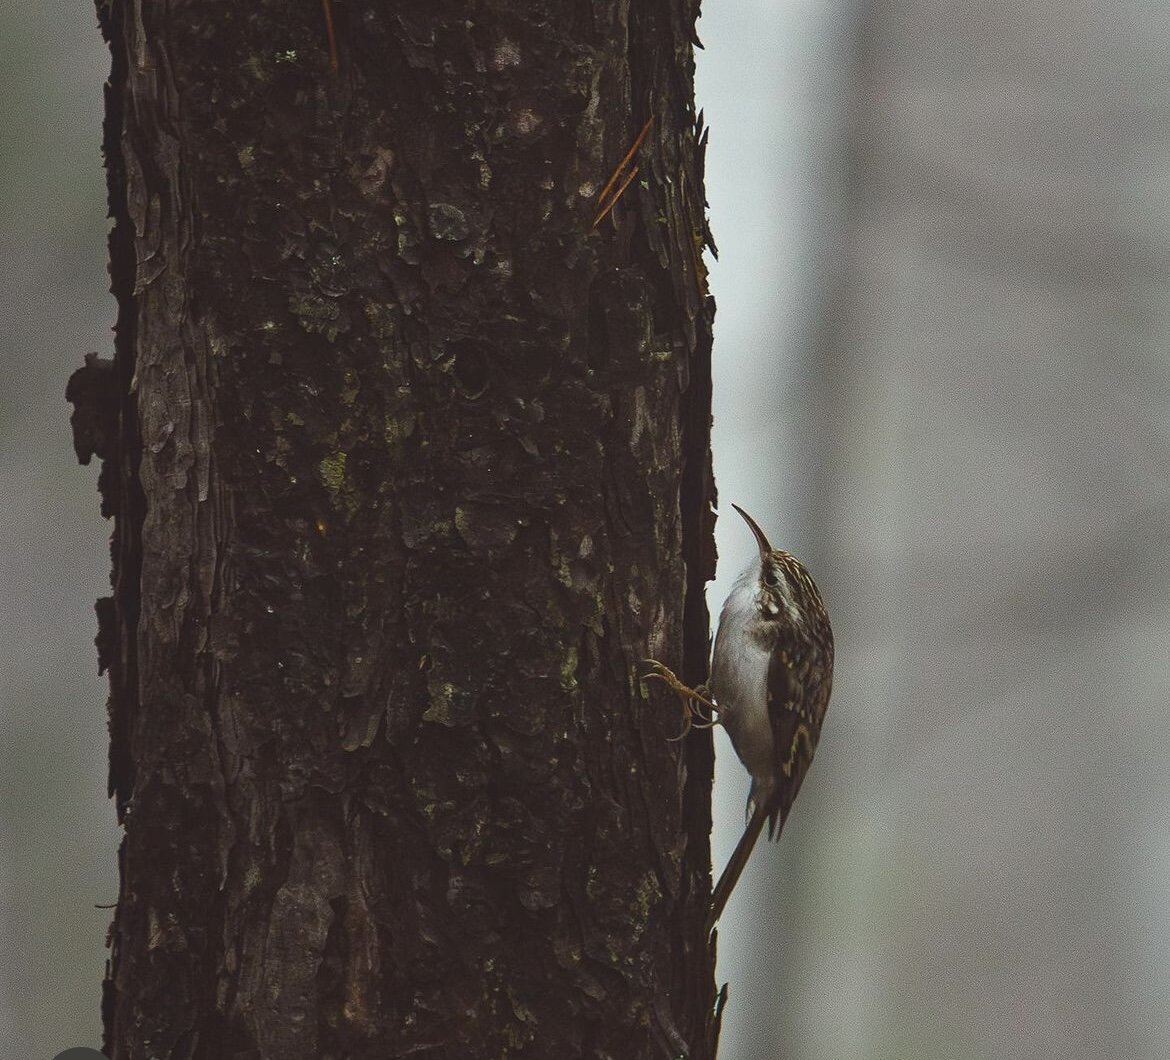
409, 469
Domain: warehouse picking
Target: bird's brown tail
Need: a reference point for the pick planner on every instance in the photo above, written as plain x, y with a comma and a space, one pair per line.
739, 858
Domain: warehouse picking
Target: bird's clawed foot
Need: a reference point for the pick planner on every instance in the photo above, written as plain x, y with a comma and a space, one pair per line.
693, 699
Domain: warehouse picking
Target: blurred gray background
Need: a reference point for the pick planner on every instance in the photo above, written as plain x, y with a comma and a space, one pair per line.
942, 378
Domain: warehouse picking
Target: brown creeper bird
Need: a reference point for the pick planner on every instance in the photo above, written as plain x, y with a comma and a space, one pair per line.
771, 676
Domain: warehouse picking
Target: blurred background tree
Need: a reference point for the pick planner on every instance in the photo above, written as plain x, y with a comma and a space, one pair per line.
58, 839
942, 301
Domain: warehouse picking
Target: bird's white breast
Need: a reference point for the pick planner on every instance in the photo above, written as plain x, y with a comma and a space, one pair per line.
739, 677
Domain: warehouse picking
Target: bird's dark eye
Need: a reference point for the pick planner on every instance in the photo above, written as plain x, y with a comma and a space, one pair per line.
770, 578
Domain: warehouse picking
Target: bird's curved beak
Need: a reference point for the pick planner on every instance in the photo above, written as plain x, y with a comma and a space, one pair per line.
760, 539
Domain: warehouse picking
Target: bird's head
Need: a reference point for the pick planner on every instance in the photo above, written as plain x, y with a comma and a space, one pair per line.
784, 590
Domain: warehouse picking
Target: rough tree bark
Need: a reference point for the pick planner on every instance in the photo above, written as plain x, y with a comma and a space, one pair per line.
409, 469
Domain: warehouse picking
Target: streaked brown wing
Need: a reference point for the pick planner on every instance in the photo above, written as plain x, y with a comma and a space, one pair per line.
796, 711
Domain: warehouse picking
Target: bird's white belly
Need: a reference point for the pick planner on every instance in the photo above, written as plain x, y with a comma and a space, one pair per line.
739, 681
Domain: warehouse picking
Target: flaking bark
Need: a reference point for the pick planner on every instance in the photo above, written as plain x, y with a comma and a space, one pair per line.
409, 470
